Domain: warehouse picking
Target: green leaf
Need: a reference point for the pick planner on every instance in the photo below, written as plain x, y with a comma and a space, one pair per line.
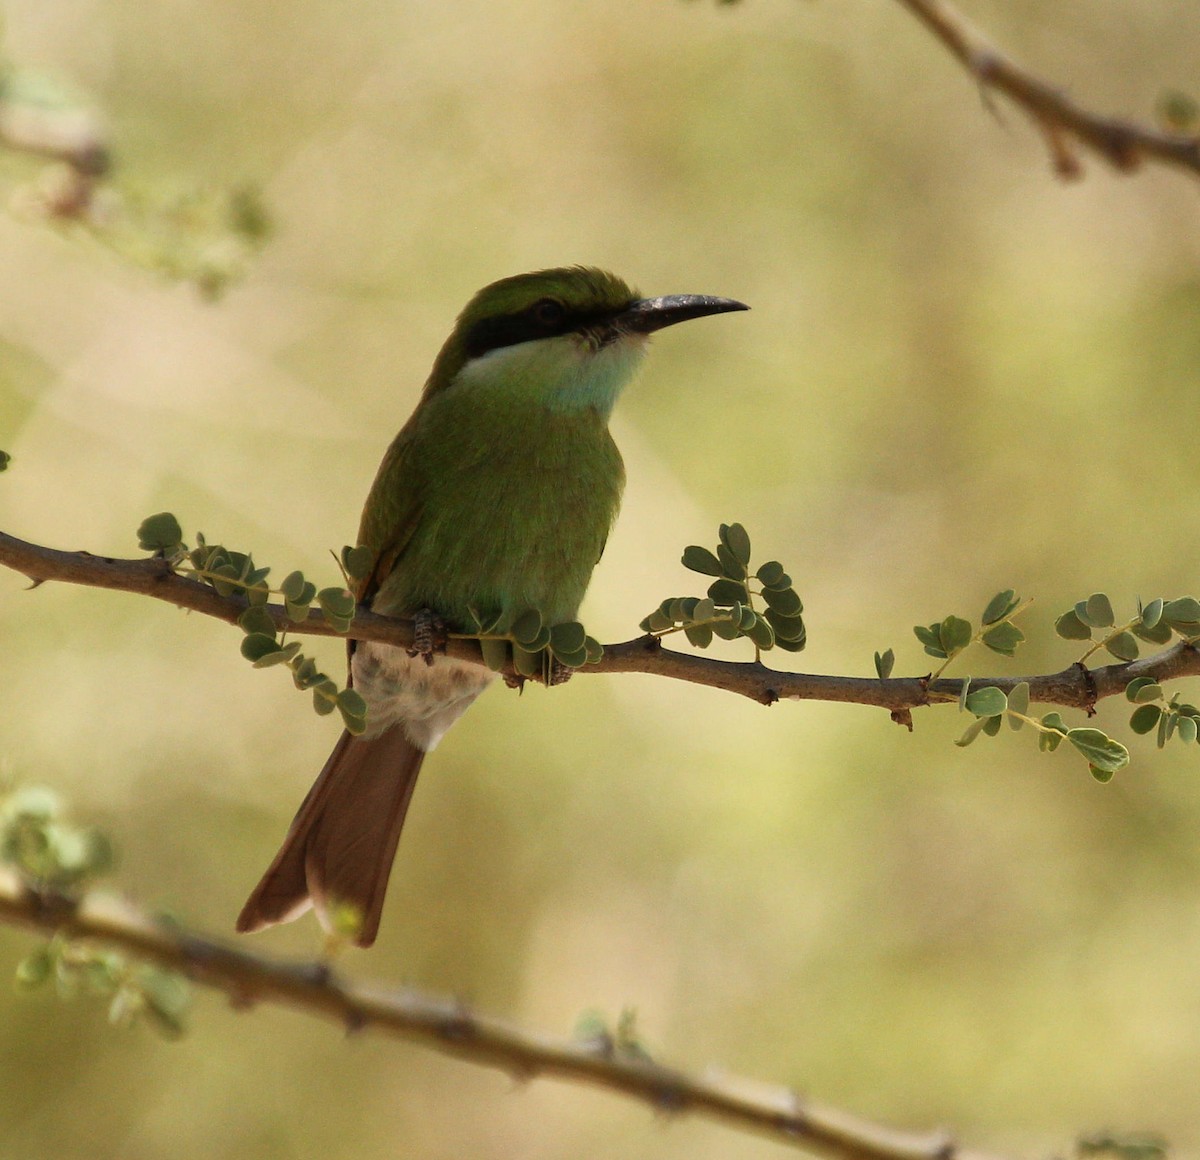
1166, 726
1159, 634
305, 674
1018, 702
1070, 627
927, 635
1101, 775
358, 562
567, 638
257, 645
884, 663
296, 613
167, 996
999, 606
280, 656
704, 610
1186, 728
731, 566
594, 649
336, 603
527, 664
160, 533
1185, 611
657, 621
699, 635
725, 592
1096, 611
572, 660
495, 653
735, 537
1152, 613
351, 701
701, 560
1101, 750
770, 573
991, 725
292, 586
986, 702
1123, 646
931, 639
257, 619
5, 460
726, 629
1003, 638
1051, 741
1143, 689
325, 695
955, 634
761, 633
225, 579
789, 645
972, 731
35, 969
785, 601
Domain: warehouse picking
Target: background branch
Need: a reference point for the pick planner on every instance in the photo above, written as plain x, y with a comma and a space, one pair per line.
1124, 144
1075, 687
449, 1026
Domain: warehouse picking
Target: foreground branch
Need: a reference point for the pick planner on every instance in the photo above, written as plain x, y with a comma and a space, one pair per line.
1124, 144
450, 1027
1075, 687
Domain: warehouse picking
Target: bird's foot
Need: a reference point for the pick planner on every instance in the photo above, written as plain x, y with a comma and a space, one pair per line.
429, 635
557, 673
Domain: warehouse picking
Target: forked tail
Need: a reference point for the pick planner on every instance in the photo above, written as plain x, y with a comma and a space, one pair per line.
338, 853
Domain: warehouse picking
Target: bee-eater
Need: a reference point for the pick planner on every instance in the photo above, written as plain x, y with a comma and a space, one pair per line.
496, 498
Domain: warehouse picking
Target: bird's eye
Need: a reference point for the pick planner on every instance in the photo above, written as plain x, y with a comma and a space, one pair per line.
548, 312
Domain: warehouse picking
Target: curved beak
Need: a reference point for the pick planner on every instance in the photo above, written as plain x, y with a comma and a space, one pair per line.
651, 314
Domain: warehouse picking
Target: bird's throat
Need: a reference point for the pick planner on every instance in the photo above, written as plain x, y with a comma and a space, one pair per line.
563, 374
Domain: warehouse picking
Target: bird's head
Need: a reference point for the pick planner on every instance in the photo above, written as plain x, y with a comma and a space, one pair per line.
565, 338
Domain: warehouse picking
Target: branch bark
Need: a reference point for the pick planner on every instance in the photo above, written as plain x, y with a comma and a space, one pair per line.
449, 1026
1075, 687
1124, 144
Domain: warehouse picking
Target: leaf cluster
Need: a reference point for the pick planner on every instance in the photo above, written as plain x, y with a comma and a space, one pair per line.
946, 638
1154, 713
532, 645
233, 573
1156, 623
761, 605
991, 708
51, 853
48, 851
135, 990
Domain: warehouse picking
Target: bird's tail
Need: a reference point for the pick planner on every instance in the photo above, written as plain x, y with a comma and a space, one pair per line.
338, 854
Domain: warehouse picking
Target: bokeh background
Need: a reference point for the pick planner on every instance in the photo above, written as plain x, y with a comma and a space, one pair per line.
959, 375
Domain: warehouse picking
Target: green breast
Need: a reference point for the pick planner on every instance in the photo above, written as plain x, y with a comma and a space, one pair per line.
509, 508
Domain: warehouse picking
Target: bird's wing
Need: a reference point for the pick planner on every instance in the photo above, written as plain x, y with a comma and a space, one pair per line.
392, 514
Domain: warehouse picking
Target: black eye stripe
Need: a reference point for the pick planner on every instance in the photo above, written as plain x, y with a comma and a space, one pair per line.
546, 318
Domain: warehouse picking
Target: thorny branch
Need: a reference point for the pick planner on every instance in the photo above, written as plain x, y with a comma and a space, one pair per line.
1124, 144
1076, 687
449, 1026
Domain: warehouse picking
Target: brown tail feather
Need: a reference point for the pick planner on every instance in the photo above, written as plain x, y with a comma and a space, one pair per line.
343, 840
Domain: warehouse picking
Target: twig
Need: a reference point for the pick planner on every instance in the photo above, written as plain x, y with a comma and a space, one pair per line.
449, 1026
1076, 687
1124, 144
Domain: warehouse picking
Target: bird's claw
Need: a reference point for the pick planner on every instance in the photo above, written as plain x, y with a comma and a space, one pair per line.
557, 673
429, 635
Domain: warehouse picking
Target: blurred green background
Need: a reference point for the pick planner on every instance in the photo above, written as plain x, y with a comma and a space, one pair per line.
958, 375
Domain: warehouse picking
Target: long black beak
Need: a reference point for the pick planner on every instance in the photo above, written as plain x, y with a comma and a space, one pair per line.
650, 314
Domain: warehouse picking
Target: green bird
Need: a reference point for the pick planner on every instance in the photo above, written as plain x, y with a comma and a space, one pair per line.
496, 498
